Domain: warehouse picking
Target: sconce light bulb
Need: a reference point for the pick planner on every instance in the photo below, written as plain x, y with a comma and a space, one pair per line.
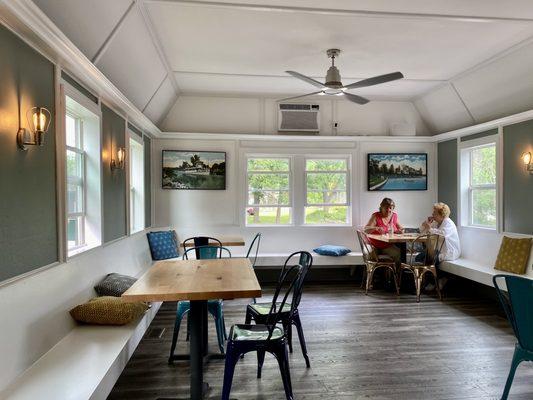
39, 120
526, 158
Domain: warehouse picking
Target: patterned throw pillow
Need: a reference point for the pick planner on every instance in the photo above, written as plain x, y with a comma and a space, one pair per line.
114, 285
108, 310
163, 244
513, 255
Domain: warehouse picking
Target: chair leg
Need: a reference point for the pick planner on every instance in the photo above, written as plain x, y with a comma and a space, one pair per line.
220, 332
301, 337
369, 274
435, 277
517, 359
288, 330
177, 323
363, 278
248, 318
260, 361
418, 284
394, 276
283, 360
229, 369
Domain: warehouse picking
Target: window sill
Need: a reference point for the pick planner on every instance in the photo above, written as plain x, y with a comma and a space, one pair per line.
80, 250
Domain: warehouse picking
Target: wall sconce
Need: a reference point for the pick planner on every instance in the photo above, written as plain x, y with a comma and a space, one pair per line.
118, 163
39, 121
526, 159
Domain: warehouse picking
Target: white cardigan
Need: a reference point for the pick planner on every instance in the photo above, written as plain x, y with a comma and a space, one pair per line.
451, 249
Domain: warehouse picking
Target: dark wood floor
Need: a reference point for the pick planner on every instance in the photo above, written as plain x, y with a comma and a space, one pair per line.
378, 346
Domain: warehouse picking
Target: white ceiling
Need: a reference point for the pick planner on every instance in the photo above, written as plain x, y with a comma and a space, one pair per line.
153, 50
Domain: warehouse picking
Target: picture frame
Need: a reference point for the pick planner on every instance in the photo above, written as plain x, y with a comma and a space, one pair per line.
193, 170
397, 172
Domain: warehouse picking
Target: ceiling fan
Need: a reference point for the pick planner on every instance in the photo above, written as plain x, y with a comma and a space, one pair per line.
334, 86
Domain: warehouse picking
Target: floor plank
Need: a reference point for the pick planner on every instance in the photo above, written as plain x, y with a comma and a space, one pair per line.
378, 346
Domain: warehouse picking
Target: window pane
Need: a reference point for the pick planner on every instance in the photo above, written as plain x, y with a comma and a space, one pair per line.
257, 181
325, 165
268, 215
326, 181
326, 197
74, 232
74, 164
269, 198
72, 134
74, 198
484, 166
326, 215
267, 164
484, 207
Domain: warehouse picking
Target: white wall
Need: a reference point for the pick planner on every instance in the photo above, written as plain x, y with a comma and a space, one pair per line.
259, 115
195, 212
35, 309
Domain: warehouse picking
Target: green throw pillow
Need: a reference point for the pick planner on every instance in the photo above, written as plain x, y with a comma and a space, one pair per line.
108, 310
513, 255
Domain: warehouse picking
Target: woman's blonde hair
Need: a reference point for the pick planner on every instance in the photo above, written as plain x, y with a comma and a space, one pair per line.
442, 209
386, 202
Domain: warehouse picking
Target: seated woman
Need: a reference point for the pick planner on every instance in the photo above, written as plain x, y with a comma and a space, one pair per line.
382, 222
440, 223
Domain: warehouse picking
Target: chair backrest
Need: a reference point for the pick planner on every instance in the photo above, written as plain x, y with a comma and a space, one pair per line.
517, 306
256, 242
198, 241
369, 253
207, 252
305, 260
289, 280
433, 244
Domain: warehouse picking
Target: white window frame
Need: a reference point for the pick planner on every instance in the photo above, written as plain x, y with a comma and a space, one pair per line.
290, 188
346, 204
132, 137
78, 182
467, 188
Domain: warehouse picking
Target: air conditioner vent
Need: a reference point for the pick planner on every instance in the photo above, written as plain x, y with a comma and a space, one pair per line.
298, 118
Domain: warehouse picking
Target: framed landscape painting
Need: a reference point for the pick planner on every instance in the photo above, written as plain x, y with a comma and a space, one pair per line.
194, 170
397, 171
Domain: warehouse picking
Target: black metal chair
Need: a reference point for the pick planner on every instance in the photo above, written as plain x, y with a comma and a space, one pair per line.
214, 307
259, 312
251, 255
265, 337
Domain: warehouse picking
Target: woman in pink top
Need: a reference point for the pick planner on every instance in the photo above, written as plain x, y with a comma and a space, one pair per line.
380, 223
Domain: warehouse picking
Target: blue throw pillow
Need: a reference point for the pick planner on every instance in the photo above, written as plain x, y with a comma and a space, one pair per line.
331, 250
163, 244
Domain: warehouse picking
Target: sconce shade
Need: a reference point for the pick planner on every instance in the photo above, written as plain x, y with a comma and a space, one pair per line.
119, 162
38, 121
526, 157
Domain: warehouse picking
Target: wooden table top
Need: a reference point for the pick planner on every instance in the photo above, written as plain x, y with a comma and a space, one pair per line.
223, 278
227, 240
395, 238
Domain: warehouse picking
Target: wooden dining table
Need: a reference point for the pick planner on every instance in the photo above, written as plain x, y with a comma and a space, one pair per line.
197, 281
397, 238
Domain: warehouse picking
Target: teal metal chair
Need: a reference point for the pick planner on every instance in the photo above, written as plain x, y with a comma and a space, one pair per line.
214, 307
517, 306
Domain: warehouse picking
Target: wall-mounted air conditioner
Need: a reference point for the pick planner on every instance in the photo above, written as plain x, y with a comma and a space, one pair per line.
299, 118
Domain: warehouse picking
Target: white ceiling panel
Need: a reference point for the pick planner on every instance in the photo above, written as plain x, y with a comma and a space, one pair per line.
161, 102
473, 8
86, 23
131, 61
286, 85
257, 42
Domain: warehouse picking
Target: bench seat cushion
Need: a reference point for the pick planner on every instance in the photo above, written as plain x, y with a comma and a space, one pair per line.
108, 310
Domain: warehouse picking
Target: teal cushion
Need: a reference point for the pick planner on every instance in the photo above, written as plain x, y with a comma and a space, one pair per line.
254, 332
331, 250
264, 308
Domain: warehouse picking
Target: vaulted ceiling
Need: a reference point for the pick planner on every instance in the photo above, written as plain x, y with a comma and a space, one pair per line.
460, 59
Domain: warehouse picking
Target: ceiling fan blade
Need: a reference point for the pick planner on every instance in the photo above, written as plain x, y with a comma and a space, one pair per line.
376, 80
306, 79
355, 98
303, 95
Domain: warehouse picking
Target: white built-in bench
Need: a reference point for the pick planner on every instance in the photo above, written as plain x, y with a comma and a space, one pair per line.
85, 364
474, 271
275, 260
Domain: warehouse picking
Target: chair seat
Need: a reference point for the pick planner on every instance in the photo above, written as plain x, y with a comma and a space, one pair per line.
254, 333
418, 265
264, 308
385, 258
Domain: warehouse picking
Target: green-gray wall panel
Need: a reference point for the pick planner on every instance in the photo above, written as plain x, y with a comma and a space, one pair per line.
479, 135
447, 175
114, 182
28, 216
79, 87
147, 182
517, 182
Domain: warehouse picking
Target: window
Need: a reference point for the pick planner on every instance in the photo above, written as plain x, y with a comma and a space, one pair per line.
82, 173
478, 166
136, 185
75, 182
269, 191
326, 195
